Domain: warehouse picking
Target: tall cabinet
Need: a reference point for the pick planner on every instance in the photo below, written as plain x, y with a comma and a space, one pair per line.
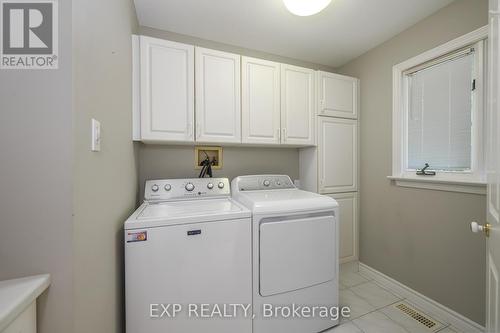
331, 168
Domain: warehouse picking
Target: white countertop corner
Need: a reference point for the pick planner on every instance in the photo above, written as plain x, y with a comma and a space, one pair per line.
17, 294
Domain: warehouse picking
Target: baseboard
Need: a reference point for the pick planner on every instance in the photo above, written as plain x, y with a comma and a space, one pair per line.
456, 320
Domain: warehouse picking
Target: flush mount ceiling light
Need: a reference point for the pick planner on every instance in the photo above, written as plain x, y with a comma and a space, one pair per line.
306, 7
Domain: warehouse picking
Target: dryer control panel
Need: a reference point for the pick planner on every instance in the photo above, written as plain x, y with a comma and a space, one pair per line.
263, 182
191, 188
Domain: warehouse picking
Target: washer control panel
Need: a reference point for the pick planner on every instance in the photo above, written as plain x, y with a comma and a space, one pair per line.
263, 182
178, 189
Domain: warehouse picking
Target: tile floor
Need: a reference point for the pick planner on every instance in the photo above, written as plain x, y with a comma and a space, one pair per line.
373, 308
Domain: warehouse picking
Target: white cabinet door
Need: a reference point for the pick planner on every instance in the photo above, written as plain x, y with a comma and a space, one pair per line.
337, 155
337, 95
218, 104
297, 105
167, 90
260, 97
348, 226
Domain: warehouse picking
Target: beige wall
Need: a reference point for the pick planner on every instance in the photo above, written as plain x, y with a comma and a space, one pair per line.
105, 182
147, 31
36, 146
419, 237
156, 162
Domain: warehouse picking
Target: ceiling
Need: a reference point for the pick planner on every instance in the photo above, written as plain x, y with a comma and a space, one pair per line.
343, 31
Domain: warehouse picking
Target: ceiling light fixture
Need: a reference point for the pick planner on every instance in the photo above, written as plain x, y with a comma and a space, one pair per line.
306, 7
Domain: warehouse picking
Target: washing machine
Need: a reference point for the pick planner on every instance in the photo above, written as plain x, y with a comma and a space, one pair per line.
295, 254
188, 259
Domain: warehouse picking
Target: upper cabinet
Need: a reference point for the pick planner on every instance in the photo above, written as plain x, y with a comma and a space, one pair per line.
337, 95
218, 113
185, 94
260, 101
297, 105
166, 90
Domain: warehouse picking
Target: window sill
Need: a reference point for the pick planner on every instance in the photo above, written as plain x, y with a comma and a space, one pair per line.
474, 187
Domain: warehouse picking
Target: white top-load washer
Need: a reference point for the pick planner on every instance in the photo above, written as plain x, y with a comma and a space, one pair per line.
295, 254
187, 246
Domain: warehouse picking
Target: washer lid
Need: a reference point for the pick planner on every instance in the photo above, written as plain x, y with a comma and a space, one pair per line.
285, 201
183, 212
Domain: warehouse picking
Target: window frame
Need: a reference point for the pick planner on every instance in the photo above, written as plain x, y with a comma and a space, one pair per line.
472, 181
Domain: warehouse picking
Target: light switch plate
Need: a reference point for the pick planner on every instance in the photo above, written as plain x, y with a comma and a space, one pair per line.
96, 135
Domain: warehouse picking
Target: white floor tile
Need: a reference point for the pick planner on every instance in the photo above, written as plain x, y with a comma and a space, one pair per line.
410, 324
374, 294
377, 322
358, 305
350, 279
347, 327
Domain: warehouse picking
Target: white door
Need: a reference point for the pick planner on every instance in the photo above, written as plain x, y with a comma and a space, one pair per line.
260, 97
337, 155
493, 170
297, 105
218, 104
167, 90
337, 95
348, 225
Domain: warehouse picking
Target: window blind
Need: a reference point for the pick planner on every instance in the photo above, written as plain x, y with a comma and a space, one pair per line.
440, 100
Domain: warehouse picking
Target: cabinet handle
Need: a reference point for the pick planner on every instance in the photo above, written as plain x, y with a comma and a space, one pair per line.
279, 134
190, 130
198, 131
284, 134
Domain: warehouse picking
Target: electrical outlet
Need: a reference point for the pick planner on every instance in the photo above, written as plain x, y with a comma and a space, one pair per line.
96, 135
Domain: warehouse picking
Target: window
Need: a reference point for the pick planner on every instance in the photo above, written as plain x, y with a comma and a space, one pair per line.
440, 101
438, 115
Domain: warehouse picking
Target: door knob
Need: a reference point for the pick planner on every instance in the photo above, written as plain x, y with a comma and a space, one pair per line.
475, 228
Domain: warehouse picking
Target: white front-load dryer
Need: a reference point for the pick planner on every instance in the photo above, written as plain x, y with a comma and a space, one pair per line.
295, 255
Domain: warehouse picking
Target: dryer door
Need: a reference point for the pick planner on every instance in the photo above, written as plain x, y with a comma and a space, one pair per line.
297, 253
